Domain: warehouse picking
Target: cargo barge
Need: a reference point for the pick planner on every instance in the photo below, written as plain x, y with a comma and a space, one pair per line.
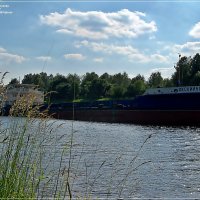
158, 106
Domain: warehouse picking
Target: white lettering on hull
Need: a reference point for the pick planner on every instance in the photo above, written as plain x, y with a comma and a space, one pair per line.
173, 90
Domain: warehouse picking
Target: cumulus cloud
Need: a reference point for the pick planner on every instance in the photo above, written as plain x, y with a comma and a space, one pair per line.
187, 49
152, 37
98, 60
132, 53
9, 57
195, 31
107, 48
74, 56
44, 58
166, 72
100, 25
159, 58
2, 50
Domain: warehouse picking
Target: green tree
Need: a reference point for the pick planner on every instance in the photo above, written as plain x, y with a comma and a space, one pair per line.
185, 70
66, 88
119, 85
155, 80
99, 88
59, 88
195, 70
14, 81
121, 79
31, 79
117, 91
73, 81
196, 79
195, 64
136, 88
168, 82
138, 77
106, 77
86, 84
42, 80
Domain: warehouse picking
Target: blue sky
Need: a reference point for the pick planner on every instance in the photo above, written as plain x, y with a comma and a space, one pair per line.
79, 37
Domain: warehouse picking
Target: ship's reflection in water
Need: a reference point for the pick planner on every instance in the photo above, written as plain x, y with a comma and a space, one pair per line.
118, 160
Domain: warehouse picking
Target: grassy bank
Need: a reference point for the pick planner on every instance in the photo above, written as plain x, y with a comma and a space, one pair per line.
24, 134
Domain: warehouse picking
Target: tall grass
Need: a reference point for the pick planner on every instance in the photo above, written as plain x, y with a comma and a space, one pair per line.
20, 173
20, 156
28, 141
22, 142
25, 162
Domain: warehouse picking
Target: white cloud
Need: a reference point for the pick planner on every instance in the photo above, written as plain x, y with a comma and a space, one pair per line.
2, 50
166, 72
159, 58
100, 25
187, 49
195, 31
98, 60
74, 56
9, 57
64, 31
153, 37
107, 48
132, 53
44, 58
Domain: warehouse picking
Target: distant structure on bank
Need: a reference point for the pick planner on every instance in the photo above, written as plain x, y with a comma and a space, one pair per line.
28, 92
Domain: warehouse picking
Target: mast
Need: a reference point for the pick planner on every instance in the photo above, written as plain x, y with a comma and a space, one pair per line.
178, 70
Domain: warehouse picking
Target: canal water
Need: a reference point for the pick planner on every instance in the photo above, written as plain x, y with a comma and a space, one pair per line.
124, 160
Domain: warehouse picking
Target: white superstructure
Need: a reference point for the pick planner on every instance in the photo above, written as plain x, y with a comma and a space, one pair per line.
15, 91
173, 90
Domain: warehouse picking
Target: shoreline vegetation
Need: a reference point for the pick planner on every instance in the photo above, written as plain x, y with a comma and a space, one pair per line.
91, 86
29, 149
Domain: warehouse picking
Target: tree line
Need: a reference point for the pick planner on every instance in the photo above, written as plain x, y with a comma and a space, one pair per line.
92, 86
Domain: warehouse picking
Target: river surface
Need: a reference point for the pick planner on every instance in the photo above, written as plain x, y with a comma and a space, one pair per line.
126, 161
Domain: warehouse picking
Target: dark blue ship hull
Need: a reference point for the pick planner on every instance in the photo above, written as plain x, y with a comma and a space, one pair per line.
165, 109
182, 101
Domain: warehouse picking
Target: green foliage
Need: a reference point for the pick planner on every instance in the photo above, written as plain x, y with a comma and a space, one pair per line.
196, 79
42, 80
106, 77
138, 77
117, 91
155, 80
195, 64
119, 85
120, 79
64, 87
182, 76
93, 86
167, 82
136, 88
14, 81
97, 89
73, 81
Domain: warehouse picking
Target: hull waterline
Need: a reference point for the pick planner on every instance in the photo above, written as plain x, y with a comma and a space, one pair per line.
146, 117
